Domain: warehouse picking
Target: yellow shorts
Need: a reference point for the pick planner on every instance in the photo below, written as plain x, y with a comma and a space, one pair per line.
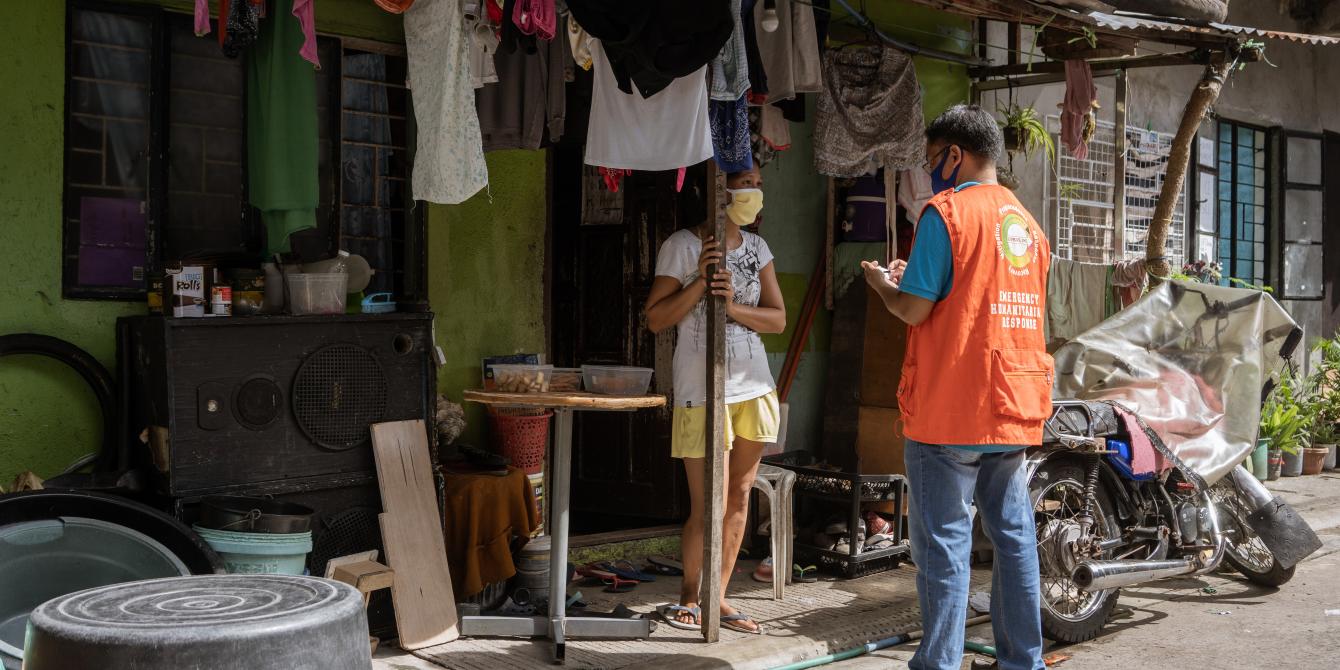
756, 420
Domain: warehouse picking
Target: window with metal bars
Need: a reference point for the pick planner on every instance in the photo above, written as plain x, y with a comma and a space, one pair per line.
155, 153
1081, 197
1243, 205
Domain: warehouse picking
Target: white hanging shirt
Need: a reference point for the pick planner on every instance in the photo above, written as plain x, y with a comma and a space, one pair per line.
667, 131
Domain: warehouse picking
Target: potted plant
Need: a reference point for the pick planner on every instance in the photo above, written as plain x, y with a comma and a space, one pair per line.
1024, 131
1326, 398
1283, 423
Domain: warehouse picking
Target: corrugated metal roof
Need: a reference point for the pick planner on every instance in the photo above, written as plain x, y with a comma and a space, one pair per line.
1140, 24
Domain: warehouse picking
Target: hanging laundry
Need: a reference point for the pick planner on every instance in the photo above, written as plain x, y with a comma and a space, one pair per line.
1081, 97
511, 37
730, 134
652, 43
729, 76
581, 43
528, 99
201, 18
536, 17
613, 177
483, 45
764, 152
242, 26
449, 162
758, 77
791, 52
1077, 298
395, 6
282, 146
1130, 278
495, 10
774, 128
305, 10
666, 131
914, 191
869, 114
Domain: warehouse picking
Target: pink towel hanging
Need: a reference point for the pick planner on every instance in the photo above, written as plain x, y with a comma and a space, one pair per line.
536, 17
201, 18
305, 11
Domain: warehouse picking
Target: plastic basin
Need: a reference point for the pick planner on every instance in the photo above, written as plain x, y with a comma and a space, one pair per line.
616, 379
46, 559
259, 553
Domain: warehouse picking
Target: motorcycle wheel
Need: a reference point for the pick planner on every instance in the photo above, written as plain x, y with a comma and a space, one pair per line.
1069, 614
1246, 552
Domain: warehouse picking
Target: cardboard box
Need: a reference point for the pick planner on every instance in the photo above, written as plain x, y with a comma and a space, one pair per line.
187, 288
883, 350
880, 446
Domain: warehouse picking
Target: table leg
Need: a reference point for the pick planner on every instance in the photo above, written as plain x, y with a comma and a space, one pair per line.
560, 480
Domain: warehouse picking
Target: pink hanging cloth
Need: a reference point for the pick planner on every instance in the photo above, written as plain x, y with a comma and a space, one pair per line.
201, 18
536, 17
1080, 96
305, 11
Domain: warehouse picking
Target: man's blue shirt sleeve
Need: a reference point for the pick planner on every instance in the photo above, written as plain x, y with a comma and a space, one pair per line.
930, 270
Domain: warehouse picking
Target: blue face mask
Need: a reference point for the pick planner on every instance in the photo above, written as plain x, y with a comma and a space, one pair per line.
939, 183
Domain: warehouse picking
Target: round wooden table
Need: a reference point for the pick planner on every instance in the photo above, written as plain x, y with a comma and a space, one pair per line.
557, 626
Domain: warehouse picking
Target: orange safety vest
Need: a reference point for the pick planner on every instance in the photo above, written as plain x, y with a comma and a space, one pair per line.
977, 369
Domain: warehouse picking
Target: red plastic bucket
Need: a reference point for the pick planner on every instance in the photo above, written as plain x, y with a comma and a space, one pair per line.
521, 436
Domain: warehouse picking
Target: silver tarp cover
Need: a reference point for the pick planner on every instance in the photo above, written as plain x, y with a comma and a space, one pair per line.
1190, 359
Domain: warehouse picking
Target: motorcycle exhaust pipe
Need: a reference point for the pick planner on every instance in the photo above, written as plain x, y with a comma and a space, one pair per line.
1104, 575
1284, 533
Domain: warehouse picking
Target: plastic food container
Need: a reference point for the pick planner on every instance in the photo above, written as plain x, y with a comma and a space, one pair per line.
322, 293
522, 378
617, 379
566, 380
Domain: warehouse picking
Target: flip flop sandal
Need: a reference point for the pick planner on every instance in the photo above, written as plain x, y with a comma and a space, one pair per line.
736, 622
805, 575
662, 570
670, 614
625, 570
617, 585
666, 565
764, 571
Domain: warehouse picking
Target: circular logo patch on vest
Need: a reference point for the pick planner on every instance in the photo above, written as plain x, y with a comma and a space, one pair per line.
1015, 241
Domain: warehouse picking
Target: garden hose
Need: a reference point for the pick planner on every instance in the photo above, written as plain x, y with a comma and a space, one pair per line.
877, 645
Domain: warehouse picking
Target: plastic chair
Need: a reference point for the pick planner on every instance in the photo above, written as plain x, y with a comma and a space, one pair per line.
778, 484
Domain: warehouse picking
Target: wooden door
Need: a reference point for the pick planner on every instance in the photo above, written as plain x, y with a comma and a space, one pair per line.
603, 266
1331, 234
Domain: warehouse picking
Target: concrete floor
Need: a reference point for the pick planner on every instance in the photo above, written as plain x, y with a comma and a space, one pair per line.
1175, 623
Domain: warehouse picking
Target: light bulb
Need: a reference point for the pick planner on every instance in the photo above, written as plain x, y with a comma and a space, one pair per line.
770, 21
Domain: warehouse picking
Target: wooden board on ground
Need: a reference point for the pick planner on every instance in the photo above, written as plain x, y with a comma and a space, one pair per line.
425, 607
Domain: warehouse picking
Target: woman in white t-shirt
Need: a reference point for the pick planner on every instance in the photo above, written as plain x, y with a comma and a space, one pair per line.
753, 305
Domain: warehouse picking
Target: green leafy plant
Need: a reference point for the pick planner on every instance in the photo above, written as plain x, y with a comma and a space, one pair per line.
1024, 128
1243, 283
1325, 383
1285, 419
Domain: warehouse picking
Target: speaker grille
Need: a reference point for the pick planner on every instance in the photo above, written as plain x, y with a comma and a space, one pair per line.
346, 532
338, 392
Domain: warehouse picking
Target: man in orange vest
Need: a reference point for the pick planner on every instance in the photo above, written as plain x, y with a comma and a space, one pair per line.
976, 387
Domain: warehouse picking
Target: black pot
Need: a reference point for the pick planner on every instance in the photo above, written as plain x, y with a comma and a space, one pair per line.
254, 515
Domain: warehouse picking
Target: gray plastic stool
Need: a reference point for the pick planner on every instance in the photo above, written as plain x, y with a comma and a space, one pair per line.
777, 484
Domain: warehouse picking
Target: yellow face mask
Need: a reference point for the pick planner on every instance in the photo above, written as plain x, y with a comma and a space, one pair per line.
745, 204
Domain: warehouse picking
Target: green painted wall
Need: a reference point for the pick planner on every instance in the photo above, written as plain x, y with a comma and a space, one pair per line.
486, 269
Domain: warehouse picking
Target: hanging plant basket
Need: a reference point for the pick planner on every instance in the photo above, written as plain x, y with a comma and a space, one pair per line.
1012, 142
1058, 44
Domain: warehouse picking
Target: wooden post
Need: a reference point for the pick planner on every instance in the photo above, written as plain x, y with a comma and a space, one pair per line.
1119, 170
715, 461
1207, 91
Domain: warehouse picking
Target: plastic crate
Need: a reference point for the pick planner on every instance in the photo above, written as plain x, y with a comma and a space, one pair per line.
830, 492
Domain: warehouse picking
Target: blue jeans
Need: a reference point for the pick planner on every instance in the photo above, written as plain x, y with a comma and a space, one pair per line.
944, 482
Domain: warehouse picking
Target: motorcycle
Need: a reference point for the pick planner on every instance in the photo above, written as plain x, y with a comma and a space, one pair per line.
1183, 372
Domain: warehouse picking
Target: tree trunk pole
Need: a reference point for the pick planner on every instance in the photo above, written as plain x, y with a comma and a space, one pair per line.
1207, 91
715, 447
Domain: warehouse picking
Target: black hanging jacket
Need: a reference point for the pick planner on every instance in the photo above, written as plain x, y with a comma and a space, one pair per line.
650, 43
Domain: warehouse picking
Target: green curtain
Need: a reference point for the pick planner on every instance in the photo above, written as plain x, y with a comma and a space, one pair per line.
281, 131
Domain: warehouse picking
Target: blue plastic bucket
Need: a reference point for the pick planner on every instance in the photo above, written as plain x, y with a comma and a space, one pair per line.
259, 553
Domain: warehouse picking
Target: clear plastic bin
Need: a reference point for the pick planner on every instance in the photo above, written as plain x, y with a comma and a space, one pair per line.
617, 379
566, 380
319, 293
522, 378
